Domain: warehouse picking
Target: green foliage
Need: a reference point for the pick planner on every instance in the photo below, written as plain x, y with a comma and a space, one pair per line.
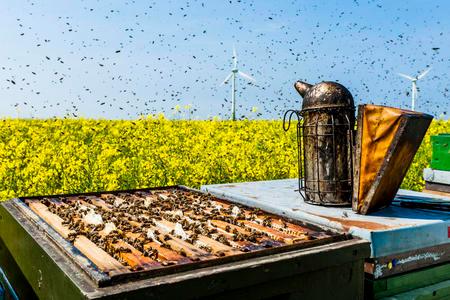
414, 179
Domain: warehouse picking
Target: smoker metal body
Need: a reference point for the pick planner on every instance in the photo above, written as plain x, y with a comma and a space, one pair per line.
325, 138
39, 266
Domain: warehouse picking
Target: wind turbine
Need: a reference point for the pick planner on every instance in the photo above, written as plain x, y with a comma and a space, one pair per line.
232, 75
414, 85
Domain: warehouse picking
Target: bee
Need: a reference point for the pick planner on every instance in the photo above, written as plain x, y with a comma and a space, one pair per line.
206, 248
165, 245
123, 250
267, 221
221, 238
72, 236
252, 237
152, 253
168, 263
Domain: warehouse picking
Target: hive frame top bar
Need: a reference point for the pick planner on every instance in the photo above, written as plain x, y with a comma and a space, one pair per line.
103, 279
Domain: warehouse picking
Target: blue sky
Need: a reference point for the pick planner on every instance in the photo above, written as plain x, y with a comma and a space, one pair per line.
123, 59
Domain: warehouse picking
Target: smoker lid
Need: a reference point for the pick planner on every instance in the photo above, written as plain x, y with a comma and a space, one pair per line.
326, 94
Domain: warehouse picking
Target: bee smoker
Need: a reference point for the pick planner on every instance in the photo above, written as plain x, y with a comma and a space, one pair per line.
325, 143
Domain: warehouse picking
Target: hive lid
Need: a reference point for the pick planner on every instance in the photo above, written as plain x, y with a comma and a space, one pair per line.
387, 140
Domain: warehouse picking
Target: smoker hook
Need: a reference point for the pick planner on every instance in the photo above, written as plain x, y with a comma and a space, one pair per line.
291, 112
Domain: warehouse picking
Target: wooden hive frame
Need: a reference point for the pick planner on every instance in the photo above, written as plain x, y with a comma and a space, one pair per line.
120, 260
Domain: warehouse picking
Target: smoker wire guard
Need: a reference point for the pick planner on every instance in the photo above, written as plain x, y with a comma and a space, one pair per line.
302, 182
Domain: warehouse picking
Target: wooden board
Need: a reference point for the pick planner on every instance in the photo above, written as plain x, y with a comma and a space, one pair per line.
401, 283
437, 189
381, 267
100, 258
439, 290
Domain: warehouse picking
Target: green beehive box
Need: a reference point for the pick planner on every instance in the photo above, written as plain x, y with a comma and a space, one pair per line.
440, 159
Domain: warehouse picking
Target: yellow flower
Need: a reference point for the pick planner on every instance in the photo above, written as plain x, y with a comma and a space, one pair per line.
53, 156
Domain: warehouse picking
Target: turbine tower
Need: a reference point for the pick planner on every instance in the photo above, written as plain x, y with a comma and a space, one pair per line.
232, 75
414, 85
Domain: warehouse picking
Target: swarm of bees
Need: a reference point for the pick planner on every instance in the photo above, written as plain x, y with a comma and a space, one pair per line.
135, 219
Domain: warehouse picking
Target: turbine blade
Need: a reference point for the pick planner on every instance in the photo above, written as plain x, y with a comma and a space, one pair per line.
234, 57
406, 76
248, 77
423, 73
226, 79
416, 94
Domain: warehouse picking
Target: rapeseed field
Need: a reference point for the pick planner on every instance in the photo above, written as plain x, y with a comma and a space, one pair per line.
53, 156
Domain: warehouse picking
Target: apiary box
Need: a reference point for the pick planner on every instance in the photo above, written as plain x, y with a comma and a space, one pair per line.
171, 243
